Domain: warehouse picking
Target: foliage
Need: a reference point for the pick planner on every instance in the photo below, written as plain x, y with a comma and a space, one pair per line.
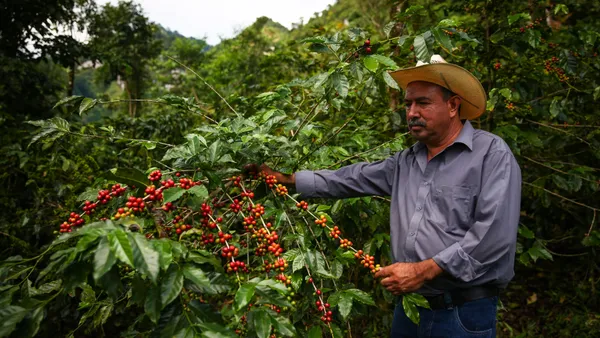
309, 98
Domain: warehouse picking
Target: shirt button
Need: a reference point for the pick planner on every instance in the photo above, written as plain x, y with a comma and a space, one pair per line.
419, 207
412, 233
426, 183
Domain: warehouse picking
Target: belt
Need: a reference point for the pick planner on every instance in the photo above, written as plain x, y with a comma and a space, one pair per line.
458, 297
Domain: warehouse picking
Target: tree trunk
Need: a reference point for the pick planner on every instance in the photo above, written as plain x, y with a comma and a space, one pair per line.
71, 79
396, 8
131, 110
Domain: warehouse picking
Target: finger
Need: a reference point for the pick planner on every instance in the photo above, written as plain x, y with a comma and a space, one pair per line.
383, 272
388, 281
394, 289
251, 167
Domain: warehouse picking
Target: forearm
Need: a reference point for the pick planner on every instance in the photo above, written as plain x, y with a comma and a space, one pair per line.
428, 269
355, 180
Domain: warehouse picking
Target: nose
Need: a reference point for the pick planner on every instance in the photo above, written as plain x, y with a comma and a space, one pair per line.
412, 111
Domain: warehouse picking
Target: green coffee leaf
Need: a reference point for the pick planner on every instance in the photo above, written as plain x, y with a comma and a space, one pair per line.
129, 176
67, 100
371, 63
198, 190
10, 316
389, 80
283, 326
261, 320
360, 296
386, 61
152, 305
410, 309
243, 295
173, 194
422, 51
340, 83
104, 259
171, 285
315, 332
120, 246
345, 304
145, 257
86, 105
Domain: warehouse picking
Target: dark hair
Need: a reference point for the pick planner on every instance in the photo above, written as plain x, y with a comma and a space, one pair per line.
446, 93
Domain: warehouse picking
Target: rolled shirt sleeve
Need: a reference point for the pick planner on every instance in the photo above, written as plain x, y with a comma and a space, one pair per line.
490, 242
360, 179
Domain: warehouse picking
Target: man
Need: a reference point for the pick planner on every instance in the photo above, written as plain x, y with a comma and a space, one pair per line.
455, 204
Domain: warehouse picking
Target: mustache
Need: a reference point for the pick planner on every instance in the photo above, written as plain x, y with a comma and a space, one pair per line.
416, 122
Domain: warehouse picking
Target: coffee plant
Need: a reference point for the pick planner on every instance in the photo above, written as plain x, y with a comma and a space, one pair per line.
177, 239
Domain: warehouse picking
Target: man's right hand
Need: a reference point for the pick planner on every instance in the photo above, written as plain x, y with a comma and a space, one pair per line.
281, 177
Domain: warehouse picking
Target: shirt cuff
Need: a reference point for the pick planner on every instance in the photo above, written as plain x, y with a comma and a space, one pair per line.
457, 263
305, 183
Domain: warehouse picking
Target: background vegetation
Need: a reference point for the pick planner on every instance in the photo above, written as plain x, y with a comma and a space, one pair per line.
142, 98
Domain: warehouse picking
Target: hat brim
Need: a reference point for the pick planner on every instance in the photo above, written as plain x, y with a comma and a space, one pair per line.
452, 77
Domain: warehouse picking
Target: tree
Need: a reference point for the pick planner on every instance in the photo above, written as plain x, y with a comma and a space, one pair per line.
122, 38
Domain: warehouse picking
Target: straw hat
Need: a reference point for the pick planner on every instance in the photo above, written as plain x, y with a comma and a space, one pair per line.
453, 77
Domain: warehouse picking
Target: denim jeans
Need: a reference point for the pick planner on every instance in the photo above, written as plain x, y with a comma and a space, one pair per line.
473, 319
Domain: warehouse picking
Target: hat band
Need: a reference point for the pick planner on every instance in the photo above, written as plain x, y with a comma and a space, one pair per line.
461, 97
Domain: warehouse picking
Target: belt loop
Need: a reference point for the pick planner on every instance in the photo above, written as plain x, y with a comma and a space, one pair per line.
448, 300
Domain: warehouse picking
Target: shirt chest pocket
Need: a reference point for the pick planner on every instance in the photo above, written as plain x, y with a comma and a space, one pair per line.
451, 206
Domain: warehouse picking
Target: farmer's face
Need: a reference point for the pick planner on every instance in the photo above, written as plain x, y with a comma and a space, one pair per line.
427, 113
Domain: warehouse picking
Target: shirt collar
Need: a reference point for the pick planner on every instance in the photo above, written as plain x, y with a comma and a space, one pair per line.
465, 137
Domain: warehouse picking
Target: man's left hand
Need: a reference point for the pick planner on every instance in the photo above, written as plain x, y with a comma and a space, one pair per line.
402, 278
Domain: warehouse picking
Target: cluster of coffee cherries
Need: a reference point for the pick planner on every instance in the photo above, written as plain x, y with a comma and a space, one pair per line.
153, 193
207, 238
335, 232
367, 261
168, 183
230, 251
284, 279
186, 183
89, 207
223, 237
104, 196
136, 204
74, 220
302, 205
280, 264
236, 180
258, 210
344, 243
122, 213
530, 26
548, 66
179, 225
249, 223
206, 216
155, 176
281, 190
271, 181
327, 314
322, 221
246, 195
236, 206
236, 266
169, 206
367, 46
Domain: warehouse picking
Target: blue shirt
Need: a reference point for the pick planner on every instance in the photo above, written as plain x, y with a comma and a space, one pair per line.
461, 208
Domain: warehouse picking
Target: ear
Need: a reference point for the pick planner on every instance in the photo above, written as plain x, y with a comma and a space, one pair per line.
454, 105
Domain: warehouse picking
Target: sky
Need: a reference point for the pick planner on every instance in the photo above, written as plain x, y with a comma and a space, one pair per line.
214, 20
